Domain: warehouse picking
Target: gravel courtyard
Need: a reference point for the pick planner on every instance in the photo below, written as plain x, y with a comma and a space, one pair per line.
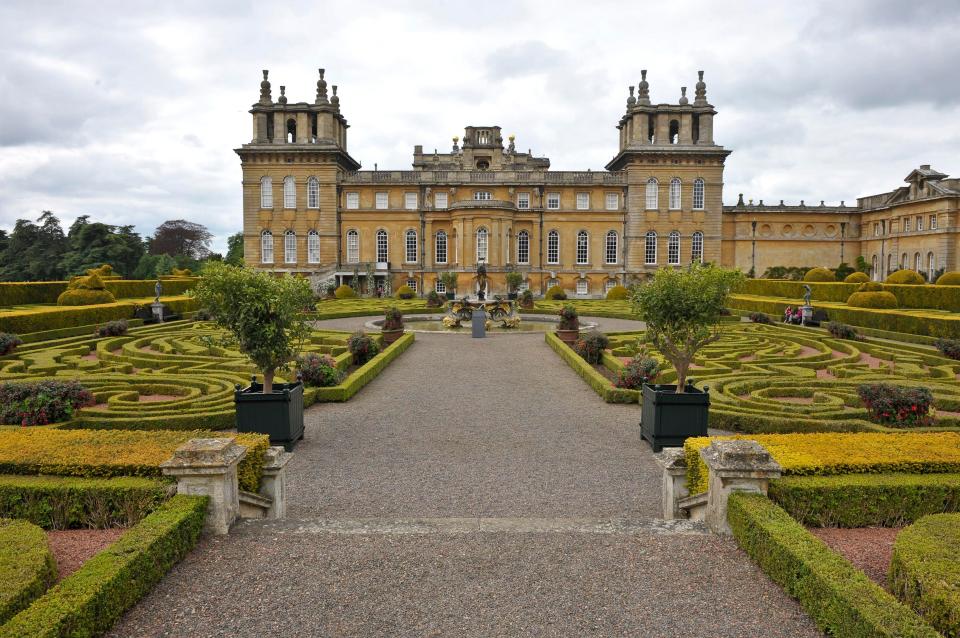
475, 488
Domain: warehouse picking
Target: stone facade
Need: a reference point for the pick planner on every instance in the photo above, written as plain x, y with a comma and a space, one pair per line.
307, 208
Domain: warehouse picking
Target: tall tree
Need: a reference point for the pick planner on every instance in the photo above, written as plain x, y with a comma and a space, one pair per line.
91, 244
235, 249
180, 237
34, 251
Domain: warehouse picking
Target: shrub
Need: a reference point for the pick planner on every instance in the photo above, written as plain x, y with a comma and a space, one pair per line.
568, 318
870, 286
41, 402
344, 291
319, 370
433, 299
514, 280
405, 292
85, 297
948, 347
362, 347
759, 317
792, 273
591, 346
526, 299
27, 567
856, 278
842, 331
555, 292
617, 293
392, 319
8, 343
181, 272
640, 370
112, 328
906, 277
881, 299
949, 279
897, 406
820, 274
202, 315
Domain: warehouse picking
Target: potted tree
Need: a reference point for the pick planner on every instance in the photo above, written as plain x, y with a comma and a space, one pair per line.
264, 315
392, 325
568, 329
682, 310
514, 279
449, 280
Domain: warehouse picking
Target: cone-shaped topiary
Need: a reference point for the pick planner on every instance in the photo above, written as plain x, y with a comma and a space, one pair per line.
906, 277
856, 278
949, 279
819, 274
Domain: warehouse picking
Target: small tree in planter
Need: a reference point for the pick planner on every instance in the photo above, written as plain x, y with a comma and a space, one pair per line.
449, 280
514, 281
392, 325
682, 310
568, 329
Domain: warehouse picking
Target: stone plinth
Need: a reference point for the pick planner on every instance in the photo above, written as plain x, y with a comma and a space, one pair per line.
273, 485
734, 466
208, 467
674, 487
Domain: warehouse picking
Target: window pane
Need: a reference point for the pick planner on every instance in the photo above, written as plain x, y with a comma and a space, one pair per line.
290, 248
523, 201
481, 195
313, 247
289, 193
353, 201
583, 201
553, 201
613, 201
410, 201
313, 193
411, 246
441, 257
412, 283
266, 192
652, 194
266, 247
482, 244
698, 194
382, 201
673, 248
650, 252
611, 247
582, 247
582, 287
674, 193
553, 247
353, 247
523, 247
440, 287
382, 246
696, 247
440, 200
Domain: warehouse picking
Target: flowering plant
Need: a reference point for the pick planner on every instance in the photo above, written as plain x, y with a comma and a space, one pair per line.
897, 406
41, 402
568, 318
319, 370
642, 369
362, 347
948, 347
8, 343
392, 319
591, 346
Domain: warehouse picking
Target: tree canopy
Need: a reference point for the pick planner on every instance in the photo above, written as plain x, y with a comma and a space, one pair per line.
180, 237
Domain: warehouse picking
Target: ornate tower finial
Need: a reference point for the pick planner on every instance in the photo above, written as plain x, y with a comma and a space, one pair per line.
643, 89
321, 89
683, 96
456, 138
700, 98
631, 100
265, 97
283, 95
512, 147
334, 100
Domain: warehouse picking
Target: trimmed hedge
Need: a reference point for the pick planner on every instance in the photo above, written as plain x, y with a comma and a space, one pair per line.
872, 300
27, 567
44, 318
838, 596
819, 274
866, 500
925, 570
600, 384
344, 291
856, 278
555, 293
905, 277
617, 293
362, 375
23, 293
934, 297
949, 279
89, 601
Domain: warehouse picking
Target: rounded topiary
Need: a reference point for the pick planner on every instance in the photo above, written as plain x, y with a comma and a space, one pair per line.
617, 293
870, 286
819, 274
881, 299
949, 279
856, 278
344, 291
181, 272
85, 291
906, 277
555, 292
405, 292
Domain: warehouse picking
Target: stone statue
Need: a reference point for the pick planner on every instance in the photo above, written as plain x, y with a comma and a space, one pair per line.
481, 281
807, 293
158, 288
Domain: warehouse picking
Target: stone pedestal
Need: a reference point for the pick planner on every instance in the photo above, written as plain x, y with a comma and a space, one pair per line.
674, 486
273, 485
157, 309
806, 314
734, 466
479, 324
208, 467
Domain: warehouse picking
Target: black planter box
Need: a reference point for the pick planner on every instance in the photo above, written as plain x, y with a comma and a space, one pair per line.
450, 296
667, 419
512, 296
279, 414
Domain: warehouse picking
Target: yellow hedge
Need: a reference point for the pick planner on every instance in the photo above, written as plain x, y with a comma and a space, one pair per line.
555, 292
841, 453
820, 274
906, 277
617, 293
856, 278
879, 299
344, 291
949, 279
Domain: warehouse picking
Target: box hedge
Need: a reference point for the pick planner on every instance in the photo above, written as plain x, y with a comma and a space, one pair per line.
361, 376
23, 293
905, 277
44, 318
819, 274
600, 384
935, 297
27, 567
949, 279
872, 300
856, 278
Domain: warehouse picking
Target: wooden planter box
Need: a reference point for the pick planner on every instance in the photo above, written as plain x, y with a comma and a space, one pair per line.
667, 419
278, 414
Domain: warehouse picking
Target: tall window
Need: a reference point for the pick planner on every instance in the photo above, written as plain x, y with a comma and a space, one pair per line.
553, 201
411, 246
353, 201
906, 224
675, 193
266, 247
553, 247
673, 248
933, 222
650, 248
919, 222
440, 200
412, 284
930, 267
903, 260
523, 201
313, 247
916, 262
523, 247
410, 201
289, 192
696, 247
382, 254
290, 247
613, 201
266, 192
382, 201
698, 194
876, 229
481, 195
583, 286
611, 248
653, 194
353, 247
583, 201
482, 244
313, 193
441, 248
874, 263
440, 287
583, 247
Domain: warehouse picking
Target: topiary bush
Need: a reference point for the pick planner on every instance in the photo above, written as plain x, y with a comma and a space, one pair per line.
319, 370
906, 277
896, 406
856, 278
870, 286
880, 299
405, 292
555, 292
112, 328
344, 291
362, 347
433, 299
819, 274
526, 299
759, 317
949, 279
41, 402
591, 346
617, 293
8, 343
842, 331
85, 291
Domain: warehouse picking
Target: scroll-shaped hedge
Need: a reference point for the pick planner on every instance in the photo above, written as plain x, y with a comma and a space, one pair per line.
27, 567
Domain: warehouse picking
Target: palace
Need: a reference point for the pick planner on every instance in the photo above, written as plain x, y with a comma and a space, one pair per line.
309, 209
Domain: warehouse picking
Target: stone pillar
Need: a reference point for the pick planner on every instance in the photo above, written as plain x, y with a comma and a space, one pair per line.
706, 128
303, 128
686, 128
279, 128
273, 485
662, 131
208, 467
674, 487
641, 126
735, 466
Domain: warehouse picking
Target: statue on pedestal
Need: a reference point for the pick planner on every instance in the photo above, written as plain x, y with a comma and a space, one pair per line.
158, 288
807, 294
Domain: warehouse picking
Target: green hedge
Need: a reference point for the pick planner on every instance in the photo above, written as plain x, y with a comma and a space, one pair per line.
908, 296
925, 570
54, 502
866, 500
600, 384
362, 375
880, 299
23, 293
838, 596
27, 568
44, 318
89, 601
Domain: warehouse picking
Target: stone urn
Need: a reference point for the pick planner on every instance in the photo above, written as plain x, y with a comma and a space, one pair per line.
389, 336
569, 337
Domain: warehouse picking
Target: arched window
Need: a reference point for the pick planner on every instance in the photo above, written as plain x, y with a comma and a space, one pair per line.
289, 193
583, 247
611, 248
903, 260
382, 254
931, 262
441, 252
313, 193
675, 193
673, 248
552, 282
523, 247
482, 244
553, 247
412, 284
890, 264
916, 262
696, 247
674, 132
266, 247
653, 194
411, 246
353, 247
875, 268
290, 247
698, 194
291, 131
313, 247
266, 192
650, 248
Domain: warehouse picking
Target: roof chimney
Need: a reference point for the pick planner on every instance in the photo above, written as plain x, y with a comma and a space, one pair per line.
925, 166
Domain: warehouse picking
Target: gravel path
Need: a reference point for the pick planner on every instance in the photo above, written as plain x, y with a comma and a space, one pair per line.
474, 488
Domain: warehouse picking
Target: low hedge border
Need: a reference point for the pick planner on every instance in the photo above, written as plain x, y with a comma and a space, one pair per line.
600, 384
925, 570
89, 601
27, 567
44, 318
838, 596
866, 500
22, 293
361, 376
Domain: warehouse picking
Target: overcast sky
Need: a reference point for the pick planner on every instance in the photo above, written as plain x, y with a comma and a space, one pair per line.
130, 111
